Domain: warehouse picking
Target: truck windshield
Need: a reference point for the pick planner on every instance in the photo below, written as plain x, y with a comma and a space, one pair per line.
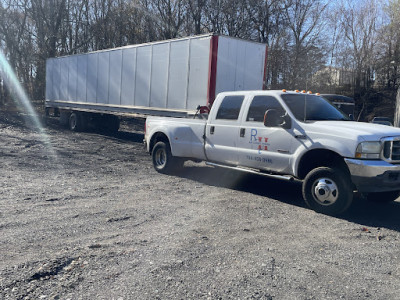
312, 108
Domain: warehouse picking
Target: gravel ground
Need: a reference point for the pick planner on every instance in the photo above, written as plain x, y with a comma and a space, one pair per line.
85, 216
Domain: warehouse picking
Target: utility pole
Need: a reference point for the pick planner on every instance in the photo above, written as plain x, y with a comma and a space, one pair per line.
397, 112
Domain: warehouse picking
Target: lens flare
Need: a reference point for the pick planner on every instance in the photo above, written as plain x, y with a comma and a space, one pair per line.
19, 96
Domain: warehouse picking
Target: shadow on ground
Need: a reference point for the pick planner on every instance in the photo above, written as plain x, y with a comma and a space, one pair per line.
373, 214
363, 212
129, 136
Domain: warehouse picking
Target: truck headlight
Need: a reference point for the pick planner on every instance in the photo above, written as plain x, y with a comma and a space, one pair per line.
369, 150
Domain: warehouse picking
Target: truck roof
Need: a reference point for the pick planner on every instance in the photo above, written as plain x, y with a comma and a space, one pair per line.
265, 92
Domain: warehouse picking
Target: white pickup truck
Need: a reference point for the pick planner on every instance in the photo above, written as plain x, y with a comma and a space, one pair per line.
288, 135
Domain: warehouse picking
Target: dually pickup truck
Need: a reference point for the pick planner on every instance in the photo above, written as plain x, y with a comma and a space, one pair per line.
287, 135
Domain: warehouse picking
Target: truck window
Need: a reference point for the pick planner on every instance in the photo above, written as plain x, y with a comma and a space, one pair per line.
230, 108
312, 108
259, 105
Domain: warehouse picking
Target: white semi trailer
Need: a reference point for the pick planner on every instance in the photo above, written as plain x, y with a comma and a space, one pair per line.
165, 78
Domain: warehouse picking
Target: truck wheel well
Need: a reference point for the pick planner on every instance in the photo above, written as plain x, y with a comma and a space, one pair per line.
320, 158
158, 137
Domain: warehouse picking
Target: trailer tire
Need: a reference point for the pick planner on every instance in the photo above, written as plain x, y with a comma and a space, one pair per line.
163, 161
327, 190
76, 122
383, 197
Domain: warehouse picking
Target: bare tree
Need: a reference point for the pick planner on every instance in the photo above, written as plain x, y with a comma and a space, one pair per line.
266, 18
47, 16
214, 20
169, 17
195, 15
388, 51
229, 17
359, 28
16, 42
303, 18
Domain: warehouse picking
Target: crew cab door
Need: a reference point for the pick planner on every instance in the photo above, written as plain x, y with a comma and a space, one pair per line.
261, 147
222, 130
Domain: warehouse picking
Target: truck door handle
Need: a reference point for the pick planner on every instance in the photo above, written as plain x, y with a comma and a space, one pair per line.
212, 128
242, 132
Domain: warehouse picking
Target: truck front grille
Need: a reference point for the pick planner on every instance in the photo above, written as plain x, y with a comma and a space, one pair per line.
391, 149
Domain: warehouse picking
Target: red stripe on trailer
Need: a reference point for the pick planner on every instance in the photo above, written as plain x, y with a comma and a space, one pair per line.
212, 70
264, 87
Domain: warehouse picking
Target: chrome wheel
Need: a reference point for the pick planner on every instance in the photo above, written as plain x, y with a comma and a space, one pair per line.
326, 191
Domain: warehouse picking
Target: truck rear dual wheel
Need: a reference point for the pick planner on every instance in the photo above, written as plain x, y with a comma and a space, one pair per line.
163, 161
327, 190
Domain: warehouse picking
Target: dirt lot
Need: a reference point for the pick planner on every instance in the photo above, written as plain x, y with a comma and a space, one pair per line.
85, 216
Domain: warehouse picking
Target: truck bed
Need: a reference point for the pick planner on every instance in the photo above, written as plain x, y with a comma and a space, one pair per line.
186, 133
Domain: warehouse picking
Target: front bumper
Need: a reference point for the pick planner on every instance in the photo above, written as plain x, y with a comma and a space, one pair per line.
374, 175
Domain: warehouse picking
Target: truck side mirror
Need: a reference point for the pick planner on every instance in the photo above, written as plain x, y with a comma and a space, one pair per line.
271, 118
286, 122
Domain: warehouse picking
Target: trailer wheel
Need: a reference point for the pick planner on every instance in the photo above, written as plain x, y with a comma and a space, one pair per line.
76, 122
327, 190
163, 161
383, 197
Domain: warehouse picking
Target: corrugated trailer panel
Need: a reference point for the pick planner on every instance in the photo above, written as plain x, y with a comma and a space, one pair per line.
226, 59
128, 77
64, 67
103, 77
114, 89
56, 78
91, 84
178, 74
143, 76
198, 73
240, 65
49, 79
82, 78
254, 68
159, 75
72, 78
238, 83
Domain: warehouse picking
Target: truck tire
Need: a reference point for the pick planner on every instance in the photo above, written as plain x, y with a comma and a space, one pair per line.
383, 197
163, 161
327, 190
